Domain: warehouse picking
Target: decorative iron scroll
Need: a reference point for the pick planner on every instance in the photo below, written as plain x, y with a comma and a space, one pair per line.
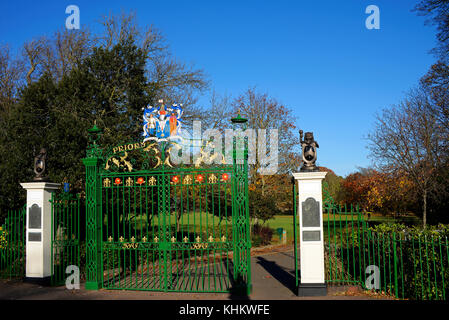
137, 156
152, 155
207, 158
174, 246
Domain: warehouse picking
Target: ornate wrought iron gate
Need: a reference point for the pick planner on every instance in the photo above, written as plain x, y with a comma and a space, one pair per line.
154, 226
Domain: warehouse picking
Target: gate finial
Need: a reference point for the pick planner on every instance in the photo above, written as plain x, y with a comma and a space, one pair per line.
239, 118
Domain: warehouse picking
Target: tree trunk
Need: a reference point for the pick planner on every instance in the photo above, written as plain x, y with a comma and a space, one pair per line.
424, 208
263, 185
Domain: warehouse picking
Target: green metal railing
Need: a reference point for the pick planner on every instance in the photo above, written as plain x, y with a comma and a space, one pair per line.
343, 229
13, 244
409, 266
65, 230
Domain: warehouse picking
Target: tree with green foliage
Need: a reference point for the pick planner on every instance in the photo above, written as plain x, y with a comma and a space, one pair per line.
333, 184
108, 85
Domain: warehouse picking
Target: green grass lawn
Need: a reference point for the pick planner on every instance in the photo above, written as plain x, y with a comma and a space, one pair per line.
202, 222
286, 222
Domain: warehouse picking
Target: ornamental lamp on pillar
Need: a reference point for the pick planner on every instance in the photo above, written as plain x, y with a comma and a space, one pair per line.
240, 143
310, 212
239, 119
38, 263
94, 135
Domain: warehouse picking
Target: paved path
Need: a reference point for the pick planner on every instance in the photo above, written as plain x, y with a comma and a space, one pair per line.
273, 278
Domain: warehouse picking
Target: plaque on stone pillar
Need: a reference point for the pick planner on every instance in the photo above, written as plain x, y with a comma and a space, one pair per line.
310, 213
35, 217
311, 235
34, 236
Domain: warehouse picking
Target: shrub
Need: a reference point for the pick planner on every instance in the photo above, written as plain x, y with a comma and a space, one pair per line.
261, 235
422, 259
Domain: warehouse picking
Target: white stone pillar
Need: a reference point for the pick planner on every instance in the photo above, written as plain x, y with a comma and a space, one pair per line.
311, 237
38, 230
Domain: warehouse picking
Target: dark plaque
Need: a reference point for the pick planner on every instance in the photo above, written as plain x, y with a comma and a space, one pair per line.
311, 235
310, 213
35, 217
34, 236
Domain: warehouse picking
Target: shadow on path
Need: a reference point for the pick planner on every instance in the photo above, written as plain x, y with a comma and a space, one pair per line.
278, 273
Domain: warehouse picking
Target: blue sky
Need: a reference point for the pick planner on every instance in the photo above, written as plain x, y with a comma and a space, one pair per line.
316, 57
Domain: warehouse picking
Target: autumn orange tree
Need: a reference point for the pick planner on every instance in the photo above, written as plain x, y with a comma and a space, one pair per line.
361, 188
373, 190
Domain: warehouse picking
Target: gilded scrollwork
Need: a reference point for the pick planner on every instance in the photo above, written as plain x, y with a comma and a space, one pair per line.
140, 156
153, 147
207, 158
120, 163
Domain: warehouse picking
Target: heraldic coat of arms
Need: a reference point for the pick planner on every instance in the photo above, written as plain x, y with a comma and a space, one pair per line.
162, 123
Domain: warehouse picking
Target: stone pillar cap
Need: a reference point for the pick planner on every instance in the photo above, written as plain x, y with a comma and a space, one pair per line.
40, 185
309, 175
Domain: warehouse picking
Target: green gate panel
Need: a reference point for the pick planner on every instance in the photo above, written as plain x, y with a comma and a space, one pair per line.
155, 226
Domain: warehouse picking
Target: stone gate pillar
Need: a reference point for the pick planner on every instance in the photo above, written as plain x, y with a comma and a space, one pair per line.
38, 231
310, 214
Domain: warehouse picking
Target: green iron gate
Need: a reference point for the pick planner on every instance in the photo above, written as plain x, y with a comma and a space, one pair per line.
65, 228
155, 226
13, 244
